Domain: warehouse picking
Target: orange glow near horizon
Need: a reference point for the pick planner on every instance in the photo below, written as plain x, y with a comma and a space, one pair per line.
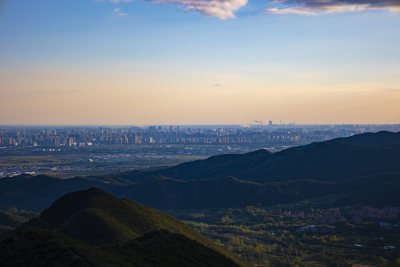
119, 96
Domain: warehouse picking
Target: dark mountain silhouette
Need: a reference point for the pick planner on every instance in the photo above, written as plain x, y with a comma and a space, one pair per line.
218, 166
80, 226
223, 192
359, 155
362, 169
383, 138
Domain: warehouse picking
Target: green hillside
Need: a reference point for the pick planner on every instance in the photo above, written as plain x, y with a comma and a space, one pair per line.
36, 247
45, 248
96, 218
9, 220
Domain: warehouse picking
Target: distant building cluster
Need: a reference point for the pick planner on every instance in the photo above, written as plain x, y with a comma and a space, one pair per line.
259, 134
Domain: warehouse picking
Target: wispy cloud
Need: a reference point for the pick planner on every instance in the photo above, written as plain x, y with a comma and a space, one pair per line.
225, 9
289, 10
118, 12
315, 7
388, 90
222, 9
119, 1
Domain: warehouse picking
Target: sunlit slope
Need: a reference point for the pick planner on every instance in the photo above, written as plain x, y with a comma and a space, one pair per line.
97, 218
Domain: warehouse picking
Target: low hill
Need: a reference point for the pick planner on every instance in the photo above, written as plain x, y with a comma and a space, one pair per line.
45, 248
97, 218
93, 228
37, 247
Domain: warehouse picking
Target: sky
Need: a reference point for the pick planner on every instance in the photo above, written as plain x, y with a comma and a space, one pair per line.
123, 62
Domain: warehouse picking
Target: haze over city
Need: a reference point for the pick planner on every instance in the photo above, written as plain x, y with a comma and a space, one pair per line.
199, 62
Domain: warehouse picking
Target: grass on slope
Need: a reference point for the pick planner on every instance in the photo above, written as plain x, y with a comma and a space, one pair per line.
97, 218
37, 247
45, 248
9, 220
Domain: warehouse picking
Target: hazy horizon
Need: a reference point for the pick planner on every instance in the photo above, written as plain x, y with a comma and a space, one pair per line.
265, 125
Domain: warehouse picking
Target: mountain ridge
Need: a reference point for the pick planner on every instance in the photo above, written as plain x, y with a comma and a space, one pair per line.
337, 167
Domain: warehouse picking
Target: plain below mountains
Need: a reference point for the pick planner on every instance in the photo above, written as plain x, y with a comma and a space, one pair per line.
362, 169
94, 228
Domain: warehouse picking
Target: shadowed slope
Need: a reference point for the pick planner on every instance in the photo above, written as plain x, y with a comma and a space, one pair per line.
216, 166
224, 192
97, 218
370, 139
44, 248
36, 193
360, 155
337, 167
36, 247
171, 249
9, 220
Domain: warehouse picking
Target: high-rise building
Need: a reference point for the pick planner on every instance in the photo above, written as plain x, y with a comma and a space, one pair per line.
138, 139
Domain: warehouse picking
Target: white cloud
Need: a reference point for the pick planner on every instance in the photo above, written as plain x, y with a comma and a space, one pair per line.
289, 10
118, 12
119, 1
223, 9
315, 7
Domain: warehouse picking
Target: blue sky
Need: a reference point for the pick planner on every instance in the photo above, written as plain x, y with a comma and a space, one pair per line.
310, 53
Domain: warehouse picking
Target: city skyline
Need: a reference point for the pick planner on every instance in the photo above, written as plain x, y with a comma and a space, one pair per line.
199, 62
